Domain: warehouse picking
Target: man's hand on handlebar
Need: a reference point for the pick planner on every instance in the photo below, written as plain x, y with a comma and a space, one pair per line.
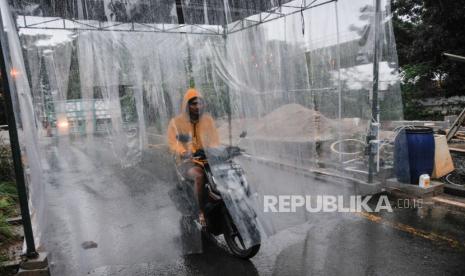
199, 154
186, 155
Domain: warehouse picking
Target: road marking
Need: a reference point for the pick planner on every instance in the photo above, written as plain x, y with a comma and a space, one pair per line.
411, 230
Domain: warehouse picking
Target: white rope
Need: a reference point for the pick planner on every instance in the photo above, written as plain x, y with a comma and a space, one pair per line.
333, 146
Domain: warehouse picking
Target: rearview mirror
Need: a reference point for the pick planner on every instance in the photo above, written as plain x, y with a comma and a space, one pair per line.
243, 134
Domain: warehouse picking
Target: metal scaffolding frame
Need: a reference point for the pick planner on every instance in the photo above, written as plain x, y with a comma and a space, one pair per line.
274, 14
59, 23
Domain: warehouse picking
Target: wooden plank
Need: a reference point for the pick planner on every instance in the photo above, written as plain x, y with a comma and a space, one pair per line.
456, 125
456, 149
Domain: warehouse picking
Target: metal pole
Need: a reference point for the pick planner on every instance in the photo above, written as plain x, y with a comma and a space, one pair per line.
8, 90
225, 37
179, 12
339, 89
374, 127
229, 110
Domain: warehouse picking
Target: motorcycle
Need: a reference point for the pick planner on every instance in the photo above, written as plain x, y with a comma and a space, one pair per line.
228, 199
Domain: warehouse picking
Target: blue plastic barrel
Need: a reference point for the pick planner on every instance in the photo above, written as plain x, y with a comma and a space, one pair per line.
414, 154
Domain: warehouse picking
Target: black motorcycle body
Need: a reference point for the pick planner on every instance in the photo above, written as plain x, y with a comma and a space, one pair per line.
228, 201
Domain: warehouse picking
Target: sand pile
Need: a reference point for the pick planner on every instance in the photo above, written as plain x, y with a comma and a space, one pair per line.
291, 121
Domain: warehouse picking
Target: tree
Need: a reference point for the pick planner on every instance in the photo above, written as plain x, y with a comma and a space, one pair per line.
425, 29
46, 93
74, 83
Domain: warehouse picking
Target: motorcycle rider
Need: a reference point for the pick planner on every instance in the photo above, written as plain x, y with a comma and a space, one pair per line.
199, 128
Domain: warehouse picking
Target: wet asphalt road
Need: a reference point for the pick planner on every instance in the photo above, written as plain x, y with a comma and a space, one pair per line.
131, 217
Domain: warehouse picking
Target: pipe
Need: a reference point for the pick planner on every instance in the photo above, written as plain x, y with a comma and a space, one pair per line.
454, 57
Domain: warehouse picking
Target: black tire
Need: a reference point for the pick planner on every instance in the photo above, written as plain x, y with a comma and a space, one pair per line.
236, 246
191, 236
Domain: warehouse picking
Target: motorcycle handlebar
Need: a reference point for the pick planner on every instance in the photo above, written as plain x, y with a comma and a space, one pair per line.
221, 153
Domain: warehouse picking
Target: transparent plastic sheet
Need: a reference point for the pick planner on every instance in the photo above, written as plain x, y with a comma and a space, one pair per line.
258, 72
299, 86
26, 124
105, 188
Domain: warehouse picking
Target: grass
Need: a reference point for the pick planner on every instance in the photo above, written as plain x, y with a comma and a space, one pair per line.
8, 201
8, 188
8, 198
8, 208
3, 258
5, 231
6, 162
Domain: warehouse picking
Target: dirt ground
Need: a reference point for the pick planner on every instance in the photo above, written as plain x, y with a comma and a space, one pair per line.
11, 249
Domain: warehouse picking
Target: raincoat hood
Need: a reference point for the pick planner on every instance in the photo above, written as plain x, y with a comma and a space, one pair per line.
203, 132
190, 94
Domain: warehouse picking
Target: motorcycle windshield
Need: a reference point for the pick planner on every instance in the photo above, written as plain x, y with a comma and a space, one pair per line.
240, 202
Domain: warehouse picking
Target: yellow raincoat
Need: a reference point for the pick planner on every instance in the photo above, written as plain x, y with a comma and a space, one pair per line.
203, 133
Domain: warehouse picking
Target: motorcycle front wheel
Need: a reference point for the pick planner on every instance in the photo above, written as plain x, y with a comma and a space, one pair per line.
236, 244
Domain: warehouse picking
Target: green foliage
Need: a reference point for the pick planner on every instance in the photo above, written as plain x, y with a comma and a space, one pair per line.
189, 68
8, 188
3, 119
128, 104
5, 229
191, 82
3, 258
8, 207
6, 163
413, 79
216, 94
8, 195
424, 30
74, 83
44, 81
217, 99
